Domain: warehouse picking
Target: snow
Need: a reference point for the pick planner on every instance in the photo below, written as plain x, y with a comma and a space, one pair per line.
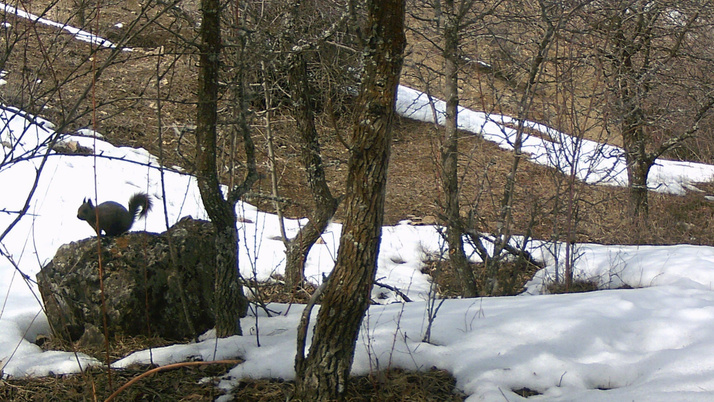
654, 342
592, 162
78, 33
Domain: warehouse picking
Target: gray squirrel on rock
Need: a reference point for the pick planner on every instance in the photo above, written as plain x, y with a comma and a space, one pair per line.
111, 217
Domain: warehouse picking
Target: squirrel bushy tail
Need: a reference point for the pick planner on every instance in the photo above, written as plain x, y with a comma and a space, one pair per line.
139, 200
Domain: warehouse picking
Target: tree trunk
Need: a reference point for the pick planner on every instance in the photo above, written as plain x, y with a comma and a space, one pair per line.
324, 203
632, 87
450, 156
230, 302
638, 168
322, 375
634, 136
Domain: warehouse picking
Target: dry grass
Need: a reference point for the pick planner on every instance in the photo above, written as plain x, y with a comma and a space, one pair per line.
274, 292
183, 384
199, 384
413, 190
389, 385
512, 277
578, 286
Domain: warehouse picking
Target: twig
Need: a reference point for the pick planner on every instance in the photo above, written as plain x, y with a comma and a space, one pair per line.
305, 323
164, 368
395, 290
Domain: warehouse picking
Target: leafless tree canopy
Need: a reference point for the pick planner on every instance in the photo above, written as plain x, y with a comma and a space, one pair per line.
272, 98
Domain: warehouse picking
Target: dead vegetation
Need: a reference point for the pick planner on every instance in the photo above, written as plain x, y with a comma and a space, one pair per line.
389, 385
181, 384
198, 383
130, 117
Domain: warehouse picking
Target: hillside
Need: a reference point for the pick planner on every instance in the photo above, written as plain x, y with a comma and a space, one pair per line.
596, 346
129, 113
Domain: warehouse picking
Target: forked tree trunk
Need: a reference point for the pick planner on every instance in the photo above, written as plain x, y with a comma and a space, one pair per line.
229, 301
323, 374
325, 204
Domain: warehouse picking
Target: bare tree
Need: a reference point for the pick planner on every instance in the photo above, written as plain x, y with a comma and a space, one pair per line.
302, 101
44, 80
308, 50
651, 59
325, 204
454, 16
322, 375
580, 138
230, 303
446, 25
547, 21
468, 33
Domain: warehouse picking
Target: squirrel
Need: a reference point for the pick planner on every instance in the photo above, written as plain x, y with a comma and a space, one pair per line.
112, 217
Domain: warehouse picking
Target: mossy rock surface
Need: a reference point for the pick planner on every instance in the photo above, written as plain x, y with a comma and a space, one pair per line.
146, 291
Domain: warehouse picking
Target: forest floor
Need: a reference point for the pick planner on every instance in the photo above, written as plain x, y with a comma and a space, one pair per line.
413, 193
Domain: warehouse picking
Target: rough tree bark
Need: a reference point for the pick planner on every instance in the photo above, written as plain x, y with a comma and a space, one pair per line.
325, 204
630, 95
450, 153
230, 302
322, 375
302, 94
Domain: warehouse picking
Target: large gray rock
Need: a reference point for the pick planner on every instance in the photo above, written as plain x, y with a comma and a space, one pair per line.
144, 292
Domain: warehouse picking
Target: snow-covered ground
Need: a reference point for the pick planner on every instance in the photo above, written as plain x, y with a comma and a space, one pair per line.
78, 33
653, 343
594, 162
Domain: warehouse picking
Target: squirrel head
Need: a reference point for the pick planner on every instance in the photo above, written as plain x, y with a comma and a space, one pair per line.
85, 209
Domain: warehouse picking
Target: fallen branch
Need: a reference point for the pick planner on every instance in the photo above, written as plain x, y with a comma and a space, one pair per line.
164, 368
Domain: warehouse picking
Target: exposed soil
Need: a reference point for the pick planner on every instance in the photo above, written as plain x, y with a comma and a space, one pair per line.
132, 110
128, 112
